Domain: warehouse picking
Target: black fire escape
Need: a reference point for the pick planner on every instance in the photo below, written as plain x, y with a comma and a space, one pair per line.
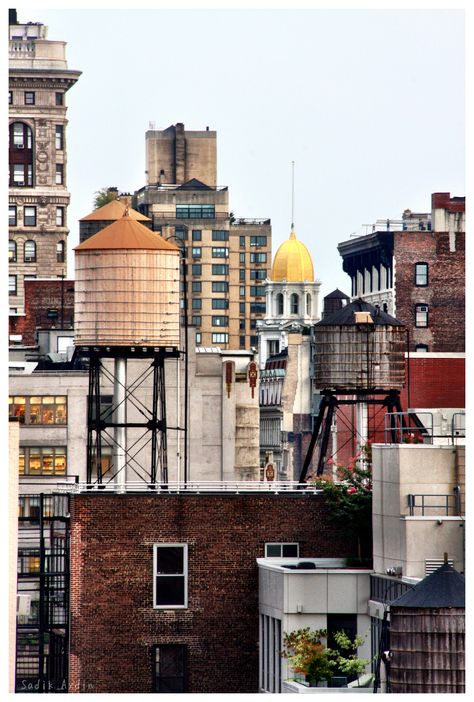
42, 632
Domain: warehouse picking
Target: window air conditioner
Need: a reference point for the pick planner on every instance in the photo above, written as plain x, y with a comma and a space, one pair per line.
23, 605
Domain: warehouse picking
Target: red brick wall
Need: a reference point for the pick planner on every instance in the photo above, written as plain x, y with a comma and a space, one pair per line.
113, 623
435, 382
41, 295
445, 293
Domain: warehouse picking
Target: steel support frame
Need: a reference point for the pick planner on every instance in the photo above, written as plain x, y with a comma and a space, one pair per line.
322, 426
156, 425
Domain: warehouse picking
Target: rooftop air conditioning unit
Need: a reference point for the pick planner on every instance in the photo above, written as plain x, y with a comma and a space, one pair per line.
394, 570
23, 605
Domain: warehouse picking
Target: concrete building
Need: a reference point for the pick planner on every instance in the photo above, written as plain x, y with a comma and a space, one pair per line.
39, 79
414, 269
315, 592
225, 259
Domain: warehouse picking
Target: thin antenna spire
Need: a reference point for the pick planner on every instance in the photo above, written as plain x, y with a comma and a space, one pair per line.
292, 194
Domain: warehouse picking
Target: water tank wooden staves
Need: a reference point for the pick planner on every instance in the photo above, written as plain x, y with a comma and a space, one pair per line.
127, 288
359, 348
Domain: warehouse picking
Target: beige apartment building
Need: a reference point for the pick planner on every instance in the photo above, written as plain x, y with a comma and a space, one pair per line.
225, 259
39, 79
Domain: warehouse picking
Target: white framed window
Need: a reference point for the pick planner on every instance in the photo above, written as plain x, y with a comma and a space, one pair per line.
220, 338
282, 550
170, 576
421, 315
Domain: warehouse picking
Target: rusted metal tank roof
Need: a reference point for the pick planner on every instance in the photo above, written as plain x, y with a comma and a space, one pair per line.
113, 210
126, 233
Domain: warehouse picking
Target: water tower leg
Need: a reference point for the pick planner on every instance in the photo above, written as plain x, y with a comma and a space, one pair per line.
317, 426
362, 423
120, 432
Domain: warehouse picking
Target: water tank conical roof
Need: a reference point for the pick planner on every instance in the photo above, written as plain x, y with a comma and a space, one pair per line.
443, 588
115, 209
348, 315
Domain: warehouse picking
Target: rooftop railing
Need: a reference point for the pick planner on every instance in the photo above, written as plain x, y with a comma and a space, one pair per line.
243, 221
194, 487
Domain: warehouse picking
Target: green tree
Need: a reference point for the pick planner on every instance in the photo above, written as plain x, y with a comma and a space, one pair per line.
346, 655
103, 196
350, 499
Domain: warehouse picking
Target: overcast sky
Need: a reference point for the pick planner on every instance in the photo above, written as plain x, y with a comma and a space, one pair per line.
368, 103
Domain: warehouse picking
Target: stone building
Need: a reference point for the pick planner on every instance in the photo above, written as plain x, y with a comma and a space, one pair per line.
285, 358
414, 270
39, 79
225, 259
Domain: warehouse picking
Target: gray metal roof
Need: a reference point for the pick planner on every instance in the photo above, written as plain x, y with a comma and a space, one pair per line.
443, 588
345, 316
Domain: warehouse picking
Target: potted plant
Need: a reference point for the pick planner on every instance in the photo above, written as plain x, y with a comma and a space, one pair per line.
308, 655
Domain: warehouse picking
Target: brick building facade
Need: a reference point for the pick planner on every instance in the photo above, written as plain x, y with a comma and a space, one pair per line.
114, 624
49, 304
440, 327
414, 269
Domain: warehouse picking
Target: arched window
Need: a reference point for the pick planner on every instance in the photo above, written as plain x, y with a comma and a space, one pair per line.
308, 304
21, 155
60, 252
12, 251
279, 303
294, 304
29, 254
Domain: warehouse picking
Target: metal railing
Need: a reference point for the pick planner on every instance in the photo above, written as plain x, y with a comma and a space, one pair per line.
408, 428
418, 428
458, 426
437, 504
195, 487
173, 217
243, 221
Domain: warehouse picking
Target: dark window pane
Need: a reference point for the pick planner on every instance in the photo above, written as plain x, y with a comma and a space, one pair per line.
273, 550
289, 550
170, 559
170, 590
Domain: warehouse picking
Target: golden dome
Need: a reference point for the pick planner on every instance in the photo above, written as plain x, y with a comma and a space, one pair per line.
292, 262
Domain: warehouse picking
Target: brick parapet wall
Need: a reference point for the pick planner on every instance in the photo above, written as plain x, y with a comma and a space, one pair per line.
113, 623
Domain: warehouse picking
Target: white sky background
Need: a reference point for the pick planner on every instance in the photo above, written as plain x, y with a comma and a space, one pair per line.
368, 103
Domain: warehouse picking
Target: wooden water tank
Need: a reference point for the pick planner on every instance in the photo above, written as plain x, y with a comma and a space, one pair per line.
359, 348
427, 636
127, 288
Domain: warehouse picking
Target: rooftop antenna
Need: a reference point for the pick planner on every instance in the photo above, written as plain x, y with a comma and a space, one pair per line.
292, 194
